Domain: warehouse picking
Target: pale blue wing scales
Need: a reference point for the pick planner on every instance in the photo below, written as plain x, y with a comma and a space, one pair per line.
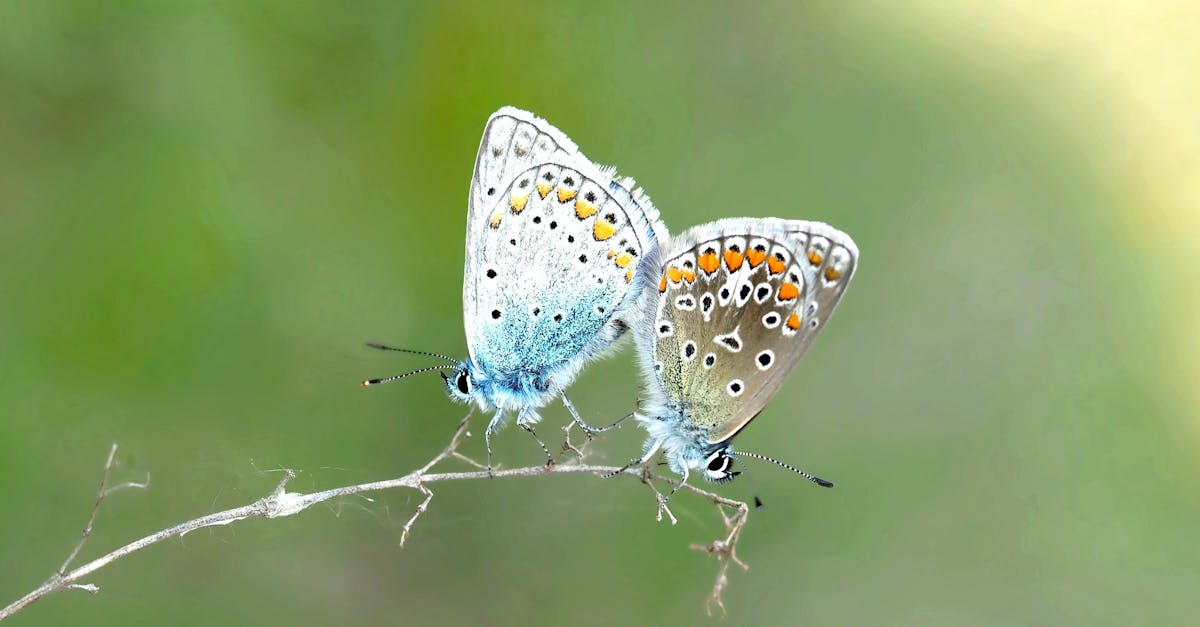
555, 271
549, 234
512, 141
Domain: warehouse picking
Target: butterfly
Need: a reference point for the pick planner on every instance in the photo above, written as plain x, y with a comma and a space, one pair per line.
556, 254
738, 302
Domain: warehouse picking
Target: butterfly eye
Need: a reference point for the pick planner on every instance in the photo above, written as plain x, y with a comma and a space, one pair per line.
463, 382
718, 466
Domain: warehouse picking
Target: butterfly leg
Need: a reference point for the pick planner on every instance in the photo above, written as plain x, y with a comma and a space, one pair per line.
677, 486
493, 426
524, 421
589, 430
651, 449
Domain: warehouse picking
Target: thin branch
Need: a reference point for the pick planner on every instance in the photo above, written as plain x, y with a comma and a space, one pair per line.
725, 550
280, 503
568, 447
648, 479
101, 494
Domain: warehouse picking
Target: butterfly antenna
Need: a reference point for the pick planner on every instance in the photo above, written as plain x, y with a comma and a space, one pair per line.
370, 382
382, 347
817, 480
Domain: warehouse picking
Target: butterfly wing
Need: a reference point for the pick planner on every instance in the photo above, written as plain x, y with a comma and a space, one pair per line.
738, 303
554, 250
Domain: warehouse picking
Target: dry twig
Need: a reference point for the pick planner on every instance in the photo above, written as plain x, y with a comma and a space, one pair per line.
280, 503
725, 549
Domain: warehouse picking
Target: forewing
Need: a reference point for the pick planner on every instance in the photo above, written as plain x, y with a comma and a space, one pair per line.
513, 142
739, 302
554, 248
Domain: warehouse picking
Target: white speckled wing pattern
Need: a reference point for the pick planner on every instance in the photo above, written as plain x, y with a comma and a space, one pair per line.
555, 249
738, 302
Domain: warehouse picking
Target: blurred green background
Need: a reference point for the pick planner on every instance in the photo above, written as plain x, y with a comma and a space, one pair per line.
207, 208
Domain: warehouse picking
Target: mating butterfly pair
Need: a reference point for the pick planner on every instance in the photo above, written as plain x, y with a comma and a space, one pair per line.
563, 257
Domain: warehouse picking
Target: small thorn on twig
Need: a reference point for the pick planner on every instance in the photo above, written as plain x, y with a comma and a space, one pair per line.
86, 587
288, 475
469, 460
140, 485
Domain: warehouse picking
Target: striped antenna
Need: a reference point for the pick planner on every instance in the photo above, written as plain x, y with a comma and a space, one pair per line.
370, 382
382, 347
817, 480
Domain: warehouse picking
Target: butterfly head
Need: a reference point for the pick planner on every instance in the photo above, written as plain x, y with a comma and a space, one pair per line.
459, 384
718, 465
468, 383
463, 384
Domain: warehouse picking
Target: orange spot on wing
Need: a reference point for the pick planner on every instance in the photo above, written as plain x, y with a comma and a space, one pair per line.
495, 223
603, 229
674, 274
689, 276
793, 321
624, 259
709, 262
756, 257
518, 203
734, 259
662, 285
565, 194
831, 274
584, 209
544, 189
775, 265
814, 258
629, 275
788, 291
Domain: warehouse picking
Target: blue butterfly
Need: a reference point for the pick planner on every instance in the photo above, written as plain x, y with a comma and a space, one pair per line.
555, 260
